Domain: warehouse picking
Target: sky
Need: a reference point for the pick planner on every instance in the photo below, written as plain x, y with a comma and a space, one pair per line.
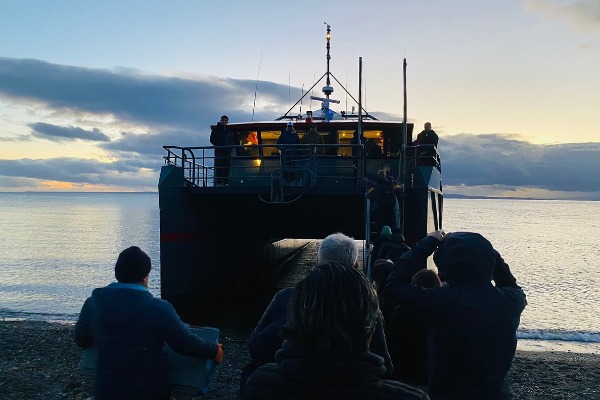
90, 91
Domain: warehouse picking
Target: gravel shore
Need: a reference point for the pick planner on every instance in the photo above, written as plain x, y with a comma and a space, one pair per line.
38, 360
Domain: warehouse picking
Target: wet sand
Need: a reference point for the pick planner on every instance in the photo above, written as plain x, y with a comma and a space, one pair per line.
39, 360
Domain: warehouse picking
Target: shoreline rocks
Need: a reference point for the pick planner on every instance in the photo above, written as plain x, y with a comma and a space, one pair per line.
39, 360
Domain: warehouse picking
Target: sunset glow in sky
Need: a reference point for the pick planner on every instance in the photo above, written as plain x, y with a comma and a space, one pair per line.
91, 91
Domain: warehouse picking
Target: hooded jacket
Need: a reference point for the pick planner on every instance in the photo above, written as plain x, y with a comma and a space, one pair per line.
302, 373
472, 323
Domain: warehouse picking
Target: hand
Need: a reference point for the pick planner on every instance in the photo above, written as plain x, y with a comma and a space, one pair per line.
439, 234
219, 357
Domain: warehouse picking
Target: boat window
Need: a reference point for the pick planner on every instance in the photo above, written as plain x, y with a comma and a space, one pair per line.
248, 139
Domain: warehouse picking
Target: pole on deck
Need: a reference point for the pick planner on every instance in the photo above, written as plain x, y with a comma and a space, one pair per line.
404, 145
359, 100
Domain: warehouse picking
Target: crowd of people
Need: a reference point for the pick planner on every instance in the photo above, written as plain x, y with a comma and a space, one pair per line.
404, 332
407, 333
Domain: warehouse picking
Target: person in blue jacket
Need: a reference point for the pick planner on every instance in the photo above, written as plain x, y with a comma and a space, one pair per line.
266, 338
128, 327
472, 321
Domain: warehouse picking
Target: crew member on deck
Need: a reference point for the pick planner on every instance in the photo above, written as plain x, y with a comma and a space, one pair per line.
222, 136
427, 136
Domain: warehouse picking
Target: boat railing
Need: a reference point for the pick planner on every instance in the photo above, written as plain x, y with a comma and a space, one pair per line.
422, 155
257, 165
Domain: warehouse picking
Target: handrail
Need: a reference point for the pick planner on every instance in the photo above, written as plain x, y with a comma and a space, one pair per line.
259, 163
256, 161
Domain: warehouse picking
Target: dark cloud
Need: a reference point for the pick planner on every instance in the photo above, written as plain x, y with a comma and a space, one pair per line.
63, 133
467, 161
133, 96
133, 172
494, 159
151, 145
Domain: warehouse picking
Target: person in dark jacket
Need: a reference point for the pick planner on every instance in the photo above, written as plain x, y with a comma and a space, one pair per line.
472, 322
384, 203
331, 318
288, 155
407, 332
427, 136
128, 328
393, 248
220, 135
380, 240
266, 338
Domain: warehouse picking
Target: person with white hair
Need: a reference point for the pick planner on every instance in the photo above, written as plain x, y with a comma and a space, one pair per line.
266, 339
331, 319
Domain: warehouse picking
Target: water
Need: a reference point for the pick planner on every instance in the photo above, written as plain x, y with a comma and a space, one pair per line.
57, 247
552, 249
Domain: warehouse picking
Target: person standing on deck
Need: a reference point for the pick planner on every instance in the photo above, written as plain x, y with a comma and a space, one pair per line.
385, 208
220, 135
128, 327
288, 159
427, 136
312, 136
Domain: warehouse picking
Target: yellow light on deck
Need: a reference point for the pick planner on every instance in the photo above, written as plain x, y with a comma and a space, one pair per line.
257, 162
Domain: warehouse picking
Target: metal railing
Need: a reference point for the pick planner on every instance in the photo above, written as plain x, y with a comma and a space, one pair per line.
257, 165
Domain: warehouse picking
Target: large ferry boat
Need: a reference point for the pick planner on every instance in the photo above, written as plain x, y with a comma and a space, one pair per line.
221, 239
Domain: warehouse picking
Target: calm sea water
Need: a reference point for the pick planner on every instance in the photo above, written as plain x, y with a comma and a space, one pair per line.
57, 247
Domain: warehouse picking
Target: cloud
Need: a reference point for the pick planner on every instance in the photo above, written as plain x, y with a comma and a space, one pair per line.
147, 112
584, 14
133, 173
63, 133
492, 159
490, 164
134, 97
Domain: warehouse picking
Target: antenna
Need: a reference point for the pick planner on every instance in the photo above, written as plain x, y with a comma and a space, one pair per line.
256, 86
328, 37
346, 84
328, 89
302, 92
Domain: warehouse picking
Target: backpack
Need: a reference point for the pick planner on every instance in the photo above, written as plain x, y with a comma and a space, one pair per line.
384, 197
392, 250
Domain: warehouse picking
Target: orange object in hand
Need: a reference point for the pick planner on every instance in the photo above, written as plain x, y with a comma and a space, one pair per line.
219, 357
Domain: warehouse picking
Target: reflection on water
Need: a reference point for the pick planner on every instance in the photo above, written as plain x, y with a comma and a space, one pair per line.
551, 247
61, 246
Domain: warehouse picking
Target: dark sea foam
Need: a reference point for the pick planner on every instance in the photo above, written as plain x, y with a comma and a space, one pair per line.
57, 247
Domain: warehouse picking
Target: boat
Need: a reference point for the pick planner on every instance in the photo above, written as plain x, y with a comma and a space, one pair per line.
223, 244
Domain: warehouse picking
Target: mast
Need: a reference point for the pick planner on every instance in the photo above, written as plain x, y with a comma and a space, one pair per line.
328, 37
360, 100
328, 89
404, 139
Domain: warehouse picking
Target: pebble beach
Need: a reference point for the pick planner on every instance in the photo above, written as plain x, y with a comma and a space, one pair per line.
39, 360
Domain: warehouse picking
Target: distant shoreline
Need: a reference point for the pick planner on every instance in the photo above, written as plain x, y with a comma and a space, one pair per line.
446, 195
